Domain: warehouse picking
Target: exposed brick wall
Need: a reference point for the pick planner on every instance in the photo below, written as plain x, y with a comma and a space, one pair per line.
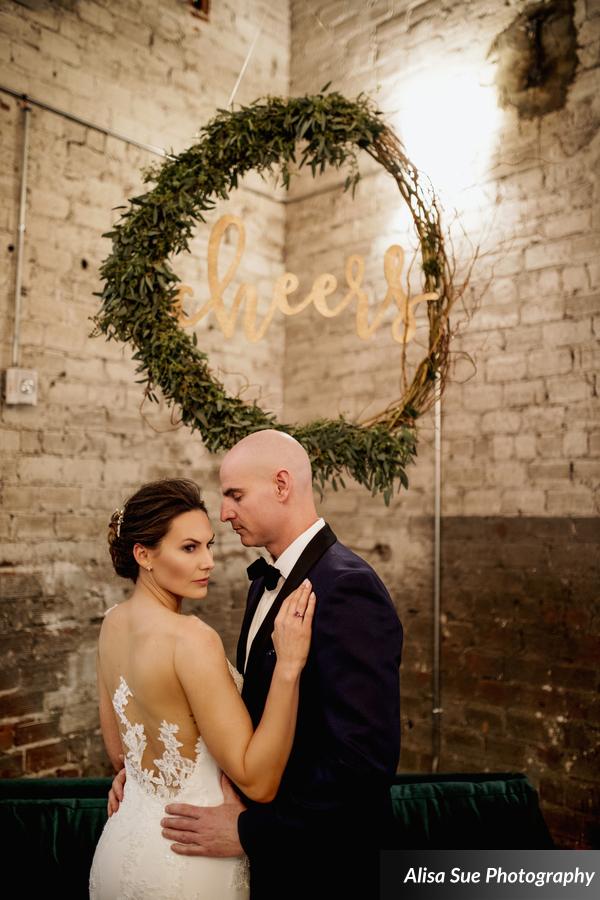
520, 658
521, 437
521, 432
155, 73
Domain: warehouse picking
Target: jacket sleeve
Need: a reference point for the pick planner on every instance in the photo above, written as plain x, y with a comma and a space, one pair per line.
358, 646
354, 661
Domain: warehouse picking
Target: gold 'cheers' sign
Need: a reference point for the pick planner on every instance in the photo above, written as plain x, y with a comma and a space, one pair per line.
403, 324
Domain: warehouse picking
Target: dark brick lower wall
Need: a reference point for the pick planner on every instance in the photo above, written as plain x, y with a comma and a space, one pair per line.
48, 697
520, 656
48, 706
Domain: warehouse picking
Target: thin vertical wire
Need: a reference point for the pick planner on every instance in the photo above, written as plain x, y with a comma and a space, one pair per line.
246, 61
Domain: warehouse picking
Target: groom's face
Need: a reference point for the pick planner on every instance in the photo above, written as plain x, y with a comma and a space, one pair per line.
249, 503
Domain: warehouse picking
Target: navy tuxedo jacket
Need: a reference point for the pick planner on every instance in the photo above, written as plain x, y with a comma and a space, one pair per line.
347, 742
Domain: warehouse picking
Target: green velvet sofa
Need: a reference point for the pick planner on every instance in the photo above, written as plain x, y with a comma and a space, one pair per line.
50, 826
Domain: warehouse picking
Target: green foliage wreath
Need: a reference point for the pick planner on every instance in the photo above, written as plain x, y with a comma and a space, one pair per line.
140, 287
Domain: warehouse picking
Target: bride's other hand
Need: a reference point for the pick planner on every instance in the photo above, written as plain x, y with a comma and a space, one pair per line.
116, 793
292, 632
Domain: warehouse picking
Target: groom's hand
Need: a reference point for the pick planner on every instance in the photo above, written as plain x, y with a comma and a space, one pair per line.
205, 830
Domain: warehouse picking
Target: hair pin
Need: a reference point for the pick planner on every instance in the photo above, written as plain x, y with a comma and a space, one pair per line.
120, 519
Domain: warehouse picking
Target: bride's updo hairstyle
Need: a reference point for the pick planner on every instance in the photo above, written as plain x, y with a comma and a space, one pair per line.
146, 518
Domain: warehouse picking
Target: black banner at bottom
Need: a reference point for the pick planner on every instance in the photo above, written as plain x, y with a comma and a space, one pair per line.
490, 874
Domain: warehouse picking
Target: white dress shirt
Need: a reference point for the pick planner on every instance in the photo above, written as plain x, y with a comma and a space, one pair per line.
285, 563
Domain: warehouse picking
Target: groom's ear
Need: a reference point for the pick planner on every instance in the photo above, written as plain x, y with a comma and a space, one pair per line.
282, 484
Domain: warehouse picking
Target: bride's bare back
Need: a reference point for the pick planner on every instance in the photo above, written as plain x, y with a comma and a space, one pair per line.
138, 645
142, 699
158, 667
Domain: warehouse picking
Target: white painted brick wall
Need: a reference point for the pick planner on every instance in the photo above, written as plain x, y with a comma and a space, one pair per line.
156, 73
535, 391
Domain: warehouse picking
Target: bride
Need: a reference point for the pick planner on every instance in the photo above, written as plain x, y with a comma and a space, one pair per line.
170, 701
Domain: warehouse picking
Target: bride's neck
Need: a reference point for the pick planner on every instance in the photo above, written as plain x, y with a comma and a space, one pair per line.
153, 595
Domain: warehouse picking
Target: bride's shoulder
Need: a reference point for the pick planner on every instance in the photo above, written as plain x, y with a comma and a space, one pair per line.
110, 619
194, 630
198, 650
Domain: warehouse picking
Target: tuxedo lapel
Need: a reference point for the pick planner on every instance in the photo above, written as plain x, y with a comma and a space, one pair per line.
254, 595
313, 551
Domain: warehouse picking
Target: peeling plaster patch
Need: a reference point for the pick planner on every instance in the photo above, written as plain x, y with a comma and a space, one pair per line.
537, 59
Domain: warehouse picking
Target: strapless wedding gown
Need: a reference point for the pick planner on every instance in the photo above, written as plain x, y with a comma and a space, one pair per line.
133, 861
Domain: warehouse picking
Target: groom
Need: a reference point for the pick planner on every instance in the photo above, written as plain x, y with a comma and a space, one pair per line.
320, 836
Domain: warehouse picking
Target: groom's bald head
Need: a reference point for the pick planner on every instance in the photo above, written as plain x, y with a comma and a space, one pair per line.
266, 481
265, 452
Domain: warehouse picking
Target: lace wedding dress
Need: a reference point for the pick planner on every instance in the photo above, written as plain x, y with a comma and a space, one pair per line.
133, 861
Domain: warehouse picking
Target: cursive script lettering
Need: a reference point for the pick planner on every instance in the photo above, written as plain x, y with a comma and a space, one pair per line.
403, 325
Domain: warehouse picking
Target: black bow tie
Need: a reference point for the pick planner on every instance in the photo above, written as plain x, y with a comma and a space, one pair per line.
260, 568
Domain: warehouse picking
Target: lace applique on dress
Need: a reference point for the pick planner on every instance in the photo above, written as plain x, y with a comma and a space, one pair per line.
237, 677
134, 827
116, 870
173, 768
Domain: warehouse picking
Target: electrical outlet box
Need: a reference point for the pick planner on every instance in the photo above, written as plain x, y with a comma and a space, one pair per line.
20, 386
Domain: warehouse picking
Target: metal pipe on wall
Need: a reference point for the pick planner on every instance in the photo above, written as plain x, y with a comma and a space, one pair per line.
115, 134
87, 124
26, 102
21, 234
436, 708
